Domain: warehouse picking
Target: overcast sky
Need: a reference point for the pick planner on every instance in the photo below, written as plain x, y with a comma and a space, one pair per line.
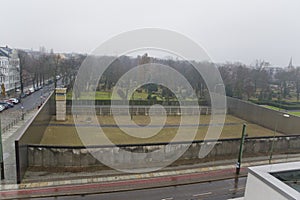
229, 30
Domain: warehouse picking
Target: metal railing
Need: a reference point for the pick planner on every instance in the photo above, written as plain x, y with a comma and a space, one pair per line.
12, 118
138, 110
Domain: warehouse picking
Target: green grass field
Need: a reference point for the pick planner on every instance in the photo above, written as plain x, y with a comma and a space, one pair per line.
88, 95
60, 134
271, 107
296, 113
102, 95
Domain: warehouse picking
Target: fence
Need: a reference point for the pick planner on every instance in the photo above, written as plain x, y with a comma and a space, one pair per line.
138, 110
201, 102
10, 119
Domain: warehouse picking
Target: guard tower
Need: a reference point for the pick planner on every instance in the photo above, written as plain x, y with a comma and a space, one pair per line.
60, 97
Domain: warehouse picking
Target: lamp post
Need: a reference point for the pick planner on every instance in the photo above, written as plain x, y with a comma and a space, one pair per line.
22, 109
275, 129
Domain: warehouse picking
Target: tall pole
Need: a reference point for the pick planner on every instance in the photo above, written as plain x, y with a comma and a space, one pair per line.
273, 141
238, 164
274, 135
1, 154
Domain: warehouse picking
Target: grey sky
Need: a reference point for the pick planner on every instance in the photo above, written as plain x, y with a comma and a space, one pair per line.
230, 30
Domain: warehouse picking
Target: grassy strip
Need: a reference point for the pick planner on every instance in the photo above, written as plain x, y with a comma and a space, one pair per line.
296, 113
271, 107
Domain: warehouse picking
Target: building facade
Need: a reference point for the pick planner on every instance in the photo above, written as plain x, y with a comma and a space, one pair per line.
9, 70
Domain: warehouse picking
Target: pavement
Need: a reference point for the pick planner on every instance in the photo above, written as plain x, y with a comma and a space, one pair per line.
8, 141
215, 190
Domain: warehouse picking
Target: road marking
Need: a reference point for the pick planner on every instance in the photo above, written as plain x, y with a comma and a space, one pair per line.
236, 189
202, 194
168, 198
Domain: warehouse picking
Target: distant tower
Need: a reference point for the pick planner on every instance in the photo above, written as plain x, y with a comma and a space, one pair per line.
42, 49
290, 66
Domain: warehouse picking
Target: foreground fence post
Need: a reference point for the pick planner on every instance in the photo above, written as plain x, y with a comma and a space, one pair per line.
238, 164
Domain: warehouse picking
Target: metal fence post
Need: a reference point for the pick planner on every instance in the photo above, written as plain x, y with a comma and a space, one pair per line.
238, 164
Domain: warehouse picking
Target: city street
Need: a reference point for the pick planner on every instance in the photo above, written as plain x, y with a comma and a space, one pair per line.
29, 103
215, 190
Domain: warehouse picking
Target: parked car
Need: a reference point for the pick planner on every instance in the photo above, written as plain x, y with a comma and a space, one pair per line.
14, 100
27, 93
31, 90
10, 104
5, 104
23, 95
2, 108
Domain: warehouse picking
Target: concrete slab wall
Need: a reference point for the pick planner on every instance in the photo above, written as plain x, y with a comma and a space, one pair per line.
47, 156
265, 117
32, 134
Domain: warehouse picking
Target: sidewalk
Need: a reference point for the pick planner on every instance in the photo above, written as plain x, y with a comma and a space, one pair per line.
63, 186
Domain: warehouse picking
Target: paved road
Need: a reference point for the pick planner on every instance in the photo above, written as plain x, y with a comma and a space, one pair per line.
30, 102
216, 190
34, 99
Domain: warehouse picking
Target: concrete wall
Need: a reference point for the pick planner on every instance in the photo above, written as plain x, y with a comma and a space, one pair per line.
260, 182
32, 134
46, 156
265, 117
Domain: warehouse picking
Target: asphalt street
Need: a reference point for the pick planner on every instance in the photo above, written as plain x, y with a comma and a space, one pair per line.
28, 103
215, 190
33, 100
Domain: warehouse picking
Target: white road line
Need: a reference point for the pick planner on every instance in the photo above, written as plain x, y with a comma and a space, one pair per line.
169, 198
236, 189
202, 194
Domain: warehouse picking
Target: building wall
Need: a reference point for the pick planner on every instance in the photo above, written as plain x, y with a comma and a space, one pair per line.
9, 69
257, 189
262, 184
4, 71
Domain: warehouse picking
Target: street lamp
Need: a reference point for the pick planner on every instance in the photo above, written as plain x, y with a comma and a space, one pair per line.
22, 109
275, 129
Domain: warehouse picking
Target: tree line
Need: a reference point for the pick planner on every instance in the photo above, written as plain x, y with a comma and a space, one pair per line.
37, 69
241, 81
260, 81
